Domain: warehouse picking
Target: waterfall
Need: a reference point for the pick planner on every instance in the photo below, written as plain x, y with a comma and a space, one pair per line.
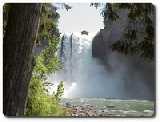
86, 76
61, 55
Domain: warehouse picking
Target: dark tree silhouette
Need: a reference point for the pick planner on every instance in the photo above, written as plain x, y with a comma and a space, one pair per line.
19, 38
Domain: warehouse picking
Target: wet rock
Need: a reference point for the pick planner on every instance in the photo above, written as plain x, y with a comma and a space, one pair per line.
68, 104
109, 110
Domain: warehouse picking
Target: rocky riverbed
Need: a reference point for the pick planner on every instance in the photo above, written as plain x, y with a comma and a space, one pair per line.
98, 107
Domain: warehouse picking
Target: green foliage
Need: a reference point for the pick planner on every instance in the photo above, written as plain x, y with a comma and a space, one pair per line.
50, 59
60, 91
40, 102
47, 62
48, 23
39, 69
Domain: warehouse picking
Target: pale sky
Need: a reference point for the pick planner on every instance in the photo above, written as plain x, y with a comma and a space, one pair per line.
80, 17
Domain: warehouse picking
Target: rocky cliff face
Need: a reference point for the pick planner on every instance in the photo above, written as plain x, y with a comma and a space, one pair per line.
134, 70
112, 32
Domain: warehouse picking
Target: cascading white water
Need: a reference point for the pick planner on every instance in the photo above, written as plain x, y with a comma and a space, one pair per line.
85, 76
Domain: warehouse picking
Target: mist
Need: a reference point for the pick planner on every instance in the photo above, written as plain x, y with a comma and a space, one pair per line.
118, 76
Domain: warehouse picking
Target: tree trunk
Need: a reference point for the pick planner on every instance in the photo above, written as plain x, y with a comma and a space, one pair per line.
21, 31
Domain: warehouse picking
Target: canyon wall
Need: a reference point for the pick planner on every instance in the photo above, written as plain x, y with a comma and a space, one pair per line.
137, 73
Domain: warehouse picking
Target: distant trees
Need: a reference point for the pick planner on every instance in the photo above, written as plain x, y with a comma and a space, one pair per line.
66, 6
96, 5
20, 33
